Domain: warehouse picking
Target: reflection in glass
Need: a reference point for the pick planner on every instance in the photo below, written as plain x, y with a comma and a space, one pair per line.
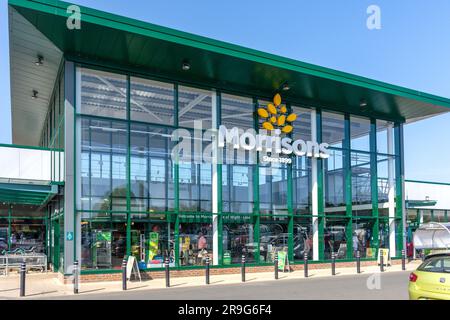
273, 189
103, 244
335, 238
333, 131
196, 243
103, 93
334, 179
194, 104
151, 101
151, 242
361, 186
359, 133
151, 171
362, 238
103, 165
273, 237
238, 239
236, 111
301, 171
303, 238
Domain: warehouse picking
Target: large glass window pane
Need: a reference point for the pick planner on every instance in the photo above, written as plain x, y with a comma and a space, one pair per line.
426, 215
361, 186
196, 243
194, 104
302, 125
301, 171
103, 244
333, 131
273, 234
103, 165
28, 235
273, 189
303, 238
362, 238
152, 101
383, 233
439, 216
334, 181
335, 237
195, 192
103, 93
236, 111
383, 164
151, 242
152, 183
382, 136
359, 133
238, 239
237, 188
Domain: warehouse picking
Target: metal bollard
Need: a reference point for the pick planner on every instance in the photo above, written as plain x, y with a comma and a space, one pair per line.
381, 263
207, 270
124, 274
243, 268
75, 277
23, 271
403, 259
276, 267
358, 261
305, 264
333, 264
166, 263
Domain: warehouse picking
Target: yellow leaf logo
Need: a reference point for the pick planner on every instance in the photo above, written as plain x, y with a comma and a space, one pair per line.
274, 116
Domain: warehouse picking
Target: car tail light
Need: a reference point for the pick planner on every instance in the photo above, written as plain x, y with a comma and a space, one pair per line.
413, 277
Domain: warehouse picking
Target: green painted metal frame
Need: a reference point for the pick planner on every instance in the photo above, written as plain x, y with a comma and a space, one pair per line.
374, 182
219, 183
320, 188
399, 181
346, 152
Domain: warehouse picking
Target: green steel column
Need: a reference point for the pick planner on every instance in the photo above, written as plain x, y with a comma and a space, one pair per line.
256, 188
320, 193
374, 184
290, 200
399, 180
348, 184
128, 169
9, 226
219, 182
176, 232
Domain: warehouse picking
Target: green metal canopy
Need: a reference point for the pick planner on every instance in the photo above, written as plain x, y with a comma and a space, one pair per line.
146, 48
26, 193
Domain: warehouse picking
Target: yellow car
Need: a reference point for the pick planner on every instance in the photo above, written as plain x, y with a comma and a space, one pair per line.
431, 280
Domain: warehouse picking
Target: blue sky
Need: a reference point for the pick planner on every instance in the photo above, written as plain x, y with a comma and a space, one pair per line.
411, 49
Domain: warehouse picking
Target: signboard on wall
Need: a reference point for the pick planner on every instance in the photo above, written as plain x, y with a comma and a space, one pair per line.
153, 245
386, 256
282, 259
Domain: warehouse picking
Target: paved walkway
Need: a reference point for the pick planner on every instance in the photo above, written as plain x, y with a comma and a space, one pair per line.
47, 286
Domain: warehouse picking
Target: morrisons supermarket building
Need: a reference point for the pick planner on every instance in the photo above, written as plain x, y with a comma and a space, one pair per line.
126, 112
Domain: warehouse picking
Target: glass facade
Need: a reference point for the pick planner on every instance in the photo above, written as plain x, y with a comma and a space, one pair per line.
22, 228
147, 191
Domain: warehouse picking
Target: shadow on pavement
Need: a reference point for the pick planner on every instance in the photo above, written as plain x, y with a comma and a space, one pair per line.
41, 293
178, 284
92, 290
6, 290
